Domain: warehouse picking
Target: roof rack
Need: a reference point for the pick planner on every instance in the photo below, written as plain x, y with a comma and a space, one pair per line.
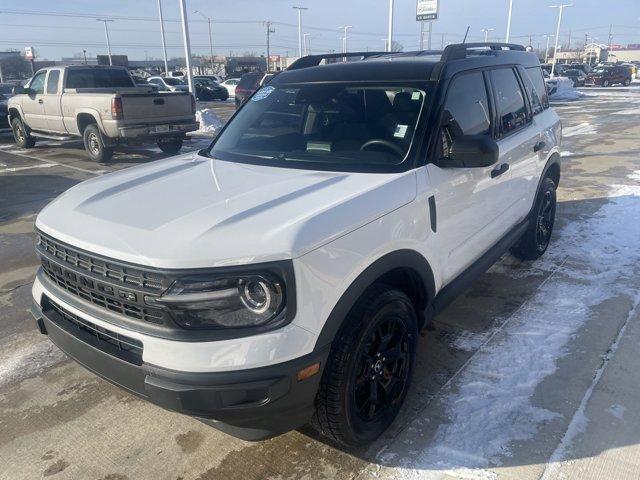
315, 60
459, 51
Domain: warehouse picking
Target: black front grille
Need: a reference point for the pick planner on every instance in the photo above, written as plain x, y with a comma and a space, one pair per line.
126, 348
119, 288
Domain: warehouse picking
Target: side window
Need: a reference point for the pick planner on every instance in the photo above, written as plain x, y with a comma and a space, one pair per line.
37, 83
535, 75
52, 81
466, 110
512, 110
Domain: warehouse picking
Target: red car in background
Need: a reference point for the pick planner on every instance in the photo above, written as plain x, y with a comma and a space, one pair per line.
249, 83
608, 75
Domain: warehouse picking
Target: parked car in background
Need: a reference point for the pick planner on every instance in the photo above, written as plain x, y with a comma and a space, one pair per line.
230, 84
6, 89
577, 76
605, 76
248, 84
282, 275
171, 84
4, 113
208, 89
585, 67
558, 70
102, 106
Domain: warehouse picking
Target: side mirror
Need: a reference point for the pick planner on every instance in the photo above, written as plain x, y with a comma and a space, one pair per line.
19, 90
473, 151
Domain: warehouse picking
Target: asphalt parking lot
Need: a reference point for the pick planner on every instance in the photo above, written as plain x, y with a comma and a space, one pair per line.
532, 373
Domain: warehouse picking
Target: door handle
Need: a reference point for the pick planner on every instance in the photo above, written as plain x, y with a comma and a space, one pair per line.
539, 146
40, 101
496, 172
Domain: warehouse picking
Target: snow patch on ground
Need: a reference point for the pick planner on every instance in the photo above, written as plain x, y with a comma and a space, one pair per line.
489, 407
565, 91
210, 123
566, 154
630, 111
616, 411
27, 361
582, 129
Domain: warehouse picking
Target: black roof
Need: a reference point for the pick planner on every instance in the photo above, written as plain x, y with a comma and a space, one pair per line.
405, 66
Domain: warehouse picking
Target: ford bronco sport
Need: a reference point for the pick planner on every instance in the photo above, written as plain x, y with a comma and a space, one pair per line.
281, 276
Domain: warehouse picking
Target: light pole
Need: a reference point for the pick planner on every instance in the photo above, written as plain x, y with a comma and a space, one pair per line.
187, 43
106, 33
546, 52
390, 31
560, 8
509, 21
164, 44
486, 33
269, 32
208, 19
344, 39
84, 54
300, 9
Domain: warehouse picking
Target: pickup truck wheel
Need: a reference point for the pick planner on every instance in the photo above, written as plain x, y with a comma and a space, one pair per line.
171, 146
369, 369
536, 238
94, 145
21, 134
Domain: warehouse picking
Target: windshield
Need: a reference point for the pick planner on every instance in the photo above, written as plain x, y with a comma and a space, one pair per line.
206, 82
173, 81
601, 70
335, 125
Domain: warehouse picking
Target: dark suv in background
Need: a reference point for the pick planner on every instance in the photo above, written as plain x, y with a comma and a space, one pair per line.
249, 83
608, 75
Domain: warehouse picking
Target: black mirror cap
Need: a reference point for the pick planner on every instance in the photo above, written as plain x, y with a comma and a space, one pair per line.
473, 151
19, 90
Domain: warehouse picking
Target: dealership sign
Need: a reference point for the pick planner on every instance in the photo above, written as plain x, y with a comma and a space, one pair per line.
427, 10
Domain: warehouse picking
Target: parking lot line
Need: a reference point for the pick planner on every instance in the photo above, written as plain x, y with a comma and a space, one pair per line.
58, 164
19, 169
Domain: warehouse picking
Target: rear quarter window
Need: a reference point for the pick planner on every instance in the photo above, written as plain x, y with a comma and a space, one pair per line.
537, 80
98, 78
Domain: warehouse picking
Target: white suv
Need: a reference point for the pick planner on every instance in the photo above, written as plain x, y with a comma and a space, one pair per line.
282, 275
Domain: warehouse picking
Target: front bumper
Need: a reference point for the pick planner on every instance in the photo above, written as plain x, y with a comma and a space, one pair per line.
252, 404
162, 130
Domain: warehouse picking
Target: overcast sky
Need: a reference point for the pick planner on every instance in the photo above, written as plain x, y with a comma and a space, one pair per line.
238, 24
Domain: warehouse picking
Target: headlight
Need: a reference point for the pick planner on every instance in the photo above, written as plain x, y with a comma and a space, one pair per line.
229, 301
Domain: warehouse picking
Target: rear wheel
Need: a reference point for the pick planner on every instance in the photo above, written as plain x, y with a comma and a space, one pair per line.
171, 147
94, 144
535, 240
369, 369
21, 135
606, 83
627, 82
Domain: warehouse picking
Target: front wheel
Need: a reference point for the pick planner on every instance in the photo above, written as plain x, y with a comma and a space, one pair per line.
369, 369
171, 147
536, 238
21, 135
94, 144
605, 83
627, 82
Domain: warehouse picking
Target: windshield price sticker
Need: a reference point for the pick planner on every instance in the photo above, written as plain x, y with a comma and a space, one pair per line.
262, 94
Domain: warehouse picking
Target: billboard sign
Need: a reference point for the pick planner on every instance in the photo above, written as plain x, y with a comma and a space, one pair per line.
427, 10
29, 53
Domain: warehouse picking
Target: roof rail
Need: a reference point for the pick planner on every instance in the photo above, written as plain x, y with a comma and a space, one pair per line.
315, 60
459, 50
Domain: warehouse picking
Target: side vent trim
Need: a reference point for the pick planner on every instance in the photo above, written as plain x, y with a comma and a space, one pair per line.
433, 215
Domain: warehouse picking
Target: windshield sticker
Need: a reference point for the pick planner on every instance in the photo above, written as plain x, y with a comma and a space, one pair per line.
401, 131
415, 95
262, 94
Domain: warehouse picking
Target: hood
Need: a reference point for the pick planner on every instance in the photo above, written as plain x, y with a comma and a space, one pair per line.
191, 211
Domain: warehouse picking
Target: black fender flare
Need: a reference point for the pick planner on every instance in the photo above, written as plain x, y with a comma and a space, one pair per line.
405, 259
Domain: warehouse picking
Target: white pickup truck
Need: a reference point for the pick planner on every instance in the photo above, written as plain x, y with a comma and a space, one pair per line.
103, 106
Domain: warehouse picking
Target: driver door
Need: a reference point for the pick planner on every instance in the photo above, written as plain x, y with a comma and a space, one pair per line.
33, 102
471, 202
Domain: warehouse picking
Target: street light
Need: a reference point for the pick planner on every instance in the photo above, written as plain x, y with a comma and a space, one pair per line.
390, 31
187, 43
509, 21
106, 33
546, 52
164, 44
555, 49
208, 19
300, 9
307, 43
486, 33
344, 39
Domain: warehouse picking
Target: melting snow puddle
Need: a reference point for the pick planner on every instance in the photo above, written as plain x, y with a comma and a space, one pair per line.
582, 129
489, 407
23, 362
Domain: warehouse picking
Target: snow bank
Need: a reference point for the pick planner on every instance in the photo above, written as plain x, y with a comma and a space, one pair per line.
565, 91
210, 123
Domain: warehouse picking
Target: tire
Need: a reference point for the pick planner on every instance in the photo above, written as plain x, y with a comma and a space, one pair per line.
21, 134
627, 82
535, 240
94, 144
171, 147
345, 412
605, 83
225, 96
